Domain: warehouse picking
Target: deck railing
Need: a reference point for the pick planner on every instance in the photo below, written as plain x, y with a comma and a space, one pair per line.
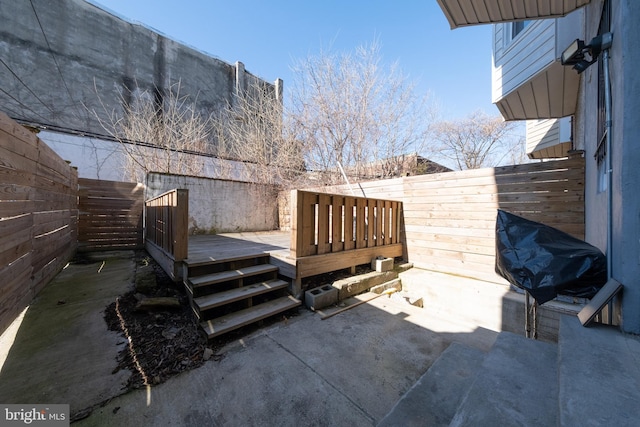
330, 223
167, 222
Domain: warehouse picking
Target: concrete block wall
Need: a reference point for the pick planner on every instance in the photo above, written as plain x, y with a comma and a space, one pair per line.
221, 206
82, 64
101, 58
485, 304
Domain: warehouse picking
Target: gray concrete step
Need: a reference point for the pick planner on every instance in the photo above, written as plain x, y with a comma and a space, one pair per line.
238, 319
517, 385
434, 398
599, 375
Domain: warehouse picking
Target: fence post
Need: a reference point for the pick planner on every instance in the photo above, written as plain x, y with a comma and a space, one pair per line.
181, 225
296, 224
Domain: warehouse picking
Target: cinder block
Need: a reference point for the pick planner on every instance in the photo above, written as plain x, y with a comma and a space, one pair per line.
358, 284
321, 297
392, 284
382, 264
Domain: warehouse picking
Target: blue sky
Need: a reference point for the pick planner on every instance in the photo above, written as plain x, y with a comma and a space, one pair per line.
269, 36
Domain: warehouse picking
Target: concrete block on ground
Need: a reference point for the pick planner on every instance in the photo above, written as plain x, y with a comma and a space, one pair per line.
320, 297
409, 298
392, 284
435, 397
381, 264
400, 268
356, 285
517, 385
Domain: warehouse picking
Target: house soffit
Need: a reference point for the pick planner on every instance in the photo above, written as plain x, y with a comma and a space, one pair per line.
551, 93
461, 13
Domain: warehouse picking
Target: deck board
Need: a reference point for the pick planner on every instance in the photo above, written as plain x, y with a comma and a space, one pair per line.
228, 246
231, 245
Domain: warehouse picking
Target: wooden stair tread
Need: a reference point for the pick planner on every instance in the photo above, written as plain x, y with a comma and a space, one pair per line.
226, 297
210, 279
198, 262
223, 324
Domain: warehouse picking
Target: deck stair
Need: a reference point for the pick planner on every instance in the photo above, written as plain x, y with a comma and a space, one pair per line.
227, 294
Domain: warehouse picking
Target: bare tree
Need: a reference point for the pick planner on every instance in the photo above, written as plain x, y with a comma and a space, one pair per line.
476, 141
159, 133
250, 130
349, 110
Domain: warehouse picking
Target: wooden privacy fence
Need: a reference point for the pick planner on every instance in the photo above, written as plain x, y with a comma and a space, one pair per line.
331, 232
449, 218
38, 217
167, 229
110, 215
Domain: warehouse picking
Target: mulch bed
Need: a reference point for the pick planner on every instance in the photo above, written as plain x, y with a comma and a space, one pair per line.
165, 341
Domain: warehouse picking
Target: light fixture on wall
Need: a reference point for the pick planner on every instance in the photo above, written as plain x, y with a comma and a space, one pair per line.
581, 56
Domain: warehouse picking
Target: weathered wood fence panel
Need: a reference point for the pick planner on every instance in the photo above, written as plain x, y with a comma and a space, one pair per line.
449, 218
326, 223
167, 229
331, 232
38, 217
110, 215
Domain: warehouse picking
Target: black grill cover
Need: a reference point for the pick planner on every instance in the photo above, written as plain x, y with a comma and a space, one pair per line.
545, 261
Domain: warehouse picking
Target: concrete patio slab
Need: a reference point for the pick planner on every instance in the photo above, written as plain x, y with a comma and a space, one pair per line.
62, 351
349, 369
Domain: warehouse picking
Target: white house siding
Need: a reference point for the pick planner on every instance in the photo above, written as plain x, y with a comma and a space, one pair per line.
528, 80
548, 138
514, 63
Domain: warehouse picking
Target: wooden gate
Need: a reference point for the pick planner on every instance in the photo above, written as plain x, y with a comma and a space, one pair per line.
110, 215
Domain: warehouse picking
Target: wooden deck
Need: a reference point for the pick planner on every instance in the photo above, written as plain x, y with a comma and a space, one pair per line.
207, 248
328, 233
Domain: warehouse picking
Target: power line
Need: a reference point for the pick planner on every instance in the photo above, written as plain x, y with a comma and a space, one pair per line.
23, 105
54, 58
9, 111
111, 138
25, 85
